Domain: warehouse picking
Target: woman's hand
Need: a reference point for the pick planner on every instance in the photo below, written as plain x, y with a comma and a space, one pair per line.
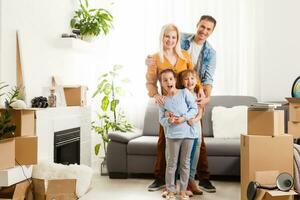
150, 61
159, 99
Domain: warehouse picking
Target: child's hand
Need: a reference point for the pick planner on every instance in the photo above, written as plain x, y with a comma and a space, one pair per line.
179, 120
169, 114
191, 122
171, 120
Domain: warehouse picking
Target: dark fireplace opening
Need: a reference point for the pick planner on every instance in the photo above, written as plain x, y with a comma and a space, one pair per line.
67, 146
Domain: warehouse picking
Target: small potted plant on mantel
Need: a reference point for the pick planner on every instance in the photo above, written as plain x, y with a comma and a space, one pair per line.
91, 22
111, 117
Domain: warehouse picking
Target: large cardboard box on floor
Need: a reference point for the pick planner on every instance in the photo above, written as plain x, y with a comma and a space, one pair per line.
19, 191
265, 122
75, 95
26, 150
294, 109
264, 153
7, 153
24, 121
294, 129
59, 189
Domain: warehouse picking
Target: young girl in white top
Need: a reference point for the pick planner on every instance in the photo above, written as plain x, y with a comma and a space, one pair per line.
182, 108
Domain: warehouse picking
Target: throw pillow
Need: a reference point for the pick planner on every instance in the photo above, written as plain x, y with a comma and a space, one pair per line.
229, 122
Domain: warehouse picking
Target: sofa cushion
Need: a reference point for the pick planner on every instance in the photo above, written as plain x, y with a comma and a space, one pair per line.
144, 145
222, 147
226, 101
151, 120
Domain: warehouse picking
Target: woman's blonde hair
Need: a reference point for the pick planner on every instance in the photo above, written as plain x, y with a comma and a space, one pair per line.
164, 29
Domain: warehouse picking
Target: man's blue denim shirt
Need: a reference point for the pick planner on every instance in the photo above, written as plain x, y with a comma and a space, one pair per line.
206, 63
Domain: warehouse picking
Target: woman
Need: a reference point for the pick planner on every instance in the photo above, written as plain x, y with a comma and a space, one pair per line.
170, 56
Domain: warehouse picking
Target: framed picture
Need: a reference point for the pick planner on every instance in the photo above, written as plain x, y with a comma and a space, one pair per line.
296, 88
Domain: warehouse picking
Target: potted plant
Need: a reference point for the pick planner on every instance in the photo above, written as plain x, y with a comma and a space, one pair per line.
111, 117
91, 22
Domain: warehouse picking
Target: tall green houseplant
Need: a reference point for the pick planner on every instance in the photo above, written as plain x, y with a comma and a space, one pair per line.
91, 22
111, 117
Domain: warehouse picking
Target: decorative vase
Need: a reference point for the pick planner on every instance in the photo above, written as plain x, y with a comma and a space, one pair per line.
88, 38
103, 168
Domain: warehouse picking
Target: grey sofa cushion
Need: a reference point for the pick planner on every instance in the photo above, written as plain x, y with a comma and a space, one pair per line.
226, 101
125, 137
222, 147
151, 121
144, 145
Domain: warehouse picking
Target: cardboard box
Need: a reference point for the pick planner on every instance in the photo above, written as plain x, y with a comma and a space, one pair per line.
19, 191
54, 189
264, 153
24, 120
7, 153
294, 129
265, 122
26, 150
75, 95
294, 109
14, 175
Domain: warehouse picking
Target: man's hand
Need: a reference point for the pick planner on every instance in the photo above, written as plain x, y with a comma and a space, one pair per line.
159, 99
202, 99
150, 61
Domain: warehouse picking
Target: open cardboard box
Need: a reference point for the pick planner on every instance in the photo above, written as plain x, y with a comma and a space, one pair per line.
7, 153
294, 129
24, 120
265, 122
59, 189
75, 95
19, 191
264, 153
294, 109
268, 178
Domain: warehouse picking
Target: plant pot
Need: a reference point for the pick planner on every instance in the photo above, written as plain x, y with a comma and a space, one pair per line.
103, 168
88, 38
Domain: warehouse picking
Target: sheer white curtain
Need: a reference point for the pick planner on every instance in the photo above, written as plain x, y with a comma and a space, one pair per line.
136, 34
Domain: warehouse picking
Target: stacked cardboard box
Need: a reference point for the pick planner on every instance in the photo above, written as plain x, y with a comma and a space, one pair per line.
265, 150
22, 149
294, 117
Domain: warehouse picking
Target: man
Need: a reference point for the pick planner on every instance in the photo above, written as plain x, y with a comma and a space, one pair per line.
204, 60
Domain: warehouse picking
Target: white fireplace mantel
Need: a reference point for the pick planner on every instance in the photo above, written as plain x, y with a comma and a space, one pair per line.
51, 120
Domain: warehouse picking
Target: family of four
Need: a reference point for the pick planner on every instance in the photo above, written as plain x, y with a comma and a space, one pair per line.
184, 66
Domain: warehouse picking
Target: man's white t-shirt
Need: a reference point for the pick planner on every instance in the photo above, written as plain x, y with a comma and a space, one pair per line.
194, 51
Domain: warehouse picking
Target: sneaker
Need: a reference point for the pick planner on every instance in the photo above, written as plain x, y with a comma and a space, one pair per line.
194, 188
156, 185
206, 185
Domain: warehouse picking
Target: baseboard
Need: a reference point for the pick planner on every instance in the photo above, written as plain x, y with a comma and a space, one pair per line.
118, 175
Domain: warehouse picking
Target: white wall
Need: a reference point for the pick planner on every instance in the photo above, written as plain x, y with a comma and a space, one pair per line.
279, 47
41, 23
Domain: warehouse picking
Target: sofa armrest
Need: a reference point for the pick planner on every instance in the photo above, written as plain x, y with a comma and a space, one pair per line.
124, 137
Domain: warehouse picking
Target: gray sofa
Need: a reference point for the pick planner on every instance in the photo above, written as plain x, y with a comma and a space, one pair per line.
135, 153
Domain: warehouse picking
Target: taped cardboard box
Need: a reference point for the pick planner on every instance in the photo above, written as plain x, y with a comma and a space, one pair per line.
75, 95
268, 178
294, 129
265, 122
58, 189
294, 109
264, 153
19, 191
7, 153
24, 121
26, 150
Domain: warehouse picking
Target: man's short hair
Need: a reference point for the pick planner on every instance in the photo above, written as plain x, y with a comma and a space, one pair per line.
208, 18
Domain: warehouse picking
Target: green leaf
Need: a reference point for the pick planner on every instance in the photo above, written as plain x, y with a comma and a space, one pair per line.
107, 89
114, 104
97, 148
105, 103
99, 87
117, 67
